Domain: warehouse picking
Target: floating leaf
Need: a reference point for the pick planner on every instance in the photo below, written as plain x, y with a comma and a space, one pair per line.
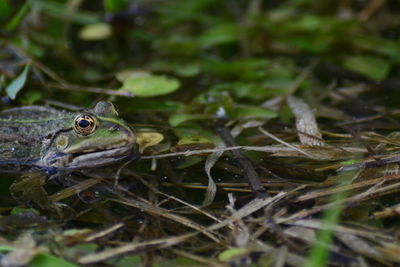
248, 69
154, 105
147, 139
151, 85
193, 140
16, 85
96, 31
255, 112
48, 260
124, 75
184, 69
219, 34
232, 253
177, 119
374, 67
376, 44
190, 143
187, 70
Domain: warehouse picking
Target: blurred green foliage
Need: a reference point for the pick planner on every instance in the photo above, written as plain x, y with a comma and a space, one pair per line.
252, 49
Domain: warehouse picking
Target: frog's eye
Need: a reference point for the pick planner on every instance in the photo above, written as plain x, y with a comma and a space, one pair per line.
85, 124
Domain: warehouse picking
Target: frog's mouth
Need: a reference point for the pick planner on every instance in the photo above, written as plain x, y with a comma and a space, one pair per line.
91, 159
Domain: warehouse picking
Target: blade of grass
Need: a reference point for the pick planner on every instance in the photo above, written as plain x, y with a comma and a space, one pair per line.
318, 255
15, 21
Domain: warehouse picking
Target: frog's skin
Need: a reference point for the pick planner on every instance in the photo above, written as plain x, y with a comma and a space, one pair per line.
43, 139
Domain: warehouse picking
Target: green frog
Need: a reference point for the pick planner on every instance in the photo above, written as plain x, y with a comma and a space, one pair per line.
45, 140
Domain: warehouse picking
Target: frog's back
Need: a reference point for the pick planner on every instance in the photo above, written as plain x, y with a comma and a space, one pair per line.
22, 134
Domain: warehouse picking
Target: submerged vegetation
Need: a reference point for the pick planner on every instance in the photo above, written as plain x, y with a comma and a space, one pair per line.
268, 131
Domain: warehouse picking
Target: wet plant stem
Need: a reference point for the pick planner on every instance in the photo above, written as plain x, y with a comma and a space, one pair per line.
243, 162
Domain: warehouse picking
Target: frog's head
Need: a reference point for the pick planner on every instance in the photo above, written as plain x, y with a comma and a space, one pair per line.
95, 138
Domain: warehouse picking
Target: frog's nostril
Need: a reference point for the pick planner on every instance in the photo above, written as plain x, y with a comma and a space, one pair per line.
115, 128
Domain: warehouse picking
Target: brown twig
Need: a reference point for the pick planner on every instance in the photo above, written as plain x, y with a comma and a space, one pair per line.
243, 162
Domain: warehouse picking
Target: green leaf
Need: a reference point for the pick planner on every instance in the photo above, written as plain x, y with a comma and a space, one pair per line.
153, 105
4, 8
96, 31
192, 129
151, 85
30, 97
115, 5
177, 119
255, 112
193, 140
389, 48
348, 162
249, 69
16, 85
232, 253
19, 210
59, 11
124, 75
373, 67
219, 34
187, 70
43, 259
134, 260
16, 20
48, 260
311, 42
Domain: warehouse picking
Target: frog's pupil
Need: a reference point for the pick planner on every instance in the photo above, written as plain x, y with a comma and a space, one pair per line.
84, 123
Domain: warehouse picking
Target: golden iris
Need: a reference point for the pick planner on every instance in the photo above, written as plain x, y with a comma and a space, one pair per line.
85, 124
